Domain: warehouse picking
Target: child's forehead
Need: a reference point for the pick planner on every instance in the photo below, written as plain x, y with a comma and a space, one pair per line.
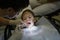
27, 13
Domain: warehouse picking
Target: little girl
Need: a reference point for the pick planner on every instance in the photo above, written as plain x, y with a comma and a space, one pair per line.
32, 32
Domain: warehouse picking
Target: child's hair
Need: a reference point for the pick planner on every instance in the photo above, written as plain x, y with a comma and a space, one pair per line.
27, 10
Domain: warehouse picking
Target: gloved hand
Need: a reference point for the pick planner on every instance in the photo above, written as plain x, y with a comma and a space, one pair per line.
17, 21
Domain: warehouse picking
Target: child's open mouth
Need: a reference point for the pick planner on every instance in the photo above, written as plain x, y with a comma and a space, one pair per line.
28, 23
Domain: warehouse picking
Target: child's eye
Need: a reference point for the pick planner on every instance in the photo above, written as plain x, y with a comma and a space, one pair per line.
24, 19
29, 17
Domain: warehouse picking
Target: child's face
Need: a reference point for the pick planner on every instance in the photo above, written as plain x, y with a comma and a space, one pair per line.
28, 18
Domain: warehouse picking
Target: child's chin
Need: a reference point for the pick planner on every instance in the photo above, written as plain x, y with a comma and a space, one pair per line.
28, 25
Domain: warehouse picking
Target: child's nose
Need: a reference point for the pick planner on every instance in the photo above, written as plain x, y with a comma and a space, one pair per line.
28, 19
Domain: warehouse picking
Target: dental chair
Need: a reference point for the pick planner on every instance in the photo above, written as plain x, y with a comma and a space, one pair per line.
49, 10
